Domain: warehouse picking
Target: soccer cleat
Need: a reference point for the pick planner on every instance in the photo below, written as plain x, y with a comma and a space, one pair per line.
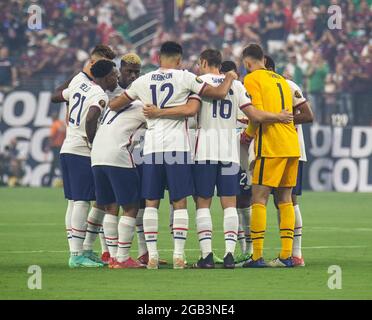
105, 257
92, 256
179, 263
228, 261
206, 263
216, 259
250, 263
281, 263
298, 262
152, 264
112, 262
84, 262
241, 258
128, 264
144, 259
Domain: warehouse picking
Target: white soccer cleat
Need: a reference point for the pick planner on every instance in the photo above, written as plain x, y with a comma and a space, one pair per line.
153, 264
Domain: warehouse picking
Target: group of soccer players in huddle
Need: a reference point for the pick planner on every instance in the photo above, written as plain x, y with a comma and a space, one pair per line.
131, 137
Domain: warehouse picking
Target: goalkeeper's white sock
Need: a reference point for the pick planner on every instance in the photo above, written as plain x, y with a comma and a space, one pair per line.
95, 219
127, 227
142, 248
150, 227
180, 228
70, 206
110, 228
297, 252
79, 226
204, 228
230, 228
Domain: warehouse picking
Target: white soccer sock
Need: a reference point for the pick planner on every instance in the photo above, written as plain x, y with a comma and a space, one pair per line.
297, 233
204, 228
142, 248
246, 214
110, 228
127, 226
230, 228
79, 226
102, 240
70, 206
95, 219
171, 217
150, 228
241, 232
180, 228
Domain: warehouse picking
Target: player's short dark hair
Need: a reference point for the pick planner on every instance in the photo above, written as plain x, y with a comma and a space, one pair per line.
253, 51
103, 51
102, 68
171, 48
269, 63
212, 56
228, 65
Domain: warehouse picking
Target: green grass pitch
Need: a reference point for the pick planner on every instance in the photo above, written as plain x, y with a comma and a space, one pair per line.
337, 231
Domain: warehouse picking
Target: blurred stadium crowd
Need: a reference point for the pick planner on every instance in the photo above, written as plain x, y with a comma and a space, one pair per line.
334, 67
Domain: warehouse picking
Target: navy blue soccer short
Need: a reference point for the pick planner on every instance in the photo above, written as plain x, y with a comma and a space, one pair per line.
116, 185
211, 174
78, 181
167, 169
297, 190
245, 188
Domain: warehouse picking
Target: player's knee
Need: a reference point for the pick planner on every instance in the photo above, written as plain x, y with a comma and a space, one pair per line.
180, 204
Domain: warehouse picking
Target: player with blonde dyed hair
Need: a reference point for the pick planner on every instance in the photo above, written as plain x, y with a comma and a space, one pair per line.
130, 68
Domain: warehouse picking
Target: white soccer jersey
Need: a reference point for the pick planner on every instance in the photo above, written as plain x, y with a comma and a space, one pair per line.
165, 88
82, 93
139, 136
298, 99
217, 120
117, 92
114, 141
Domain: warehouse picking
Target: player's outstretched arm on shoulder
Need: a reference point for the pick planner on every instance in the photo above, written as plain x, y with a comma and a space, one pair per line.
187, 110
259, 116
119, 102
305, 115
91, 122
222, 90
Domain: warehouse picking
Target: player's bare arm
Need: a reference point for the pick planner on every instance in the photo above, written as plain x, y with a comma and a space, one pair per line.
189, 109
91, 122
119, 102
305, 114
222, 90
258, 116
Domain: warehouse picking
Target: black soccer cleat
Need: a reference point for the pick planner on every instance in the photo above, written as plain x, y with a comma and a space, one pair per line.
206, 263
228, 261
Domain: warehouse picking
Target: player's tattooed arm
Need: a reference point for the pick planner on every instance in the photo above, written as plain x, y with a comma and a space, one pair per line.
303, 113
187, 110
91, 122
222, 90
119, 102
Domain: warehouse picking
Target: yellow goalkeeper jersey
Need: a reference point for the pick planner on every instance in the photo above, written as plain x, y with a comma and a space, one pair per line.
271, 92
